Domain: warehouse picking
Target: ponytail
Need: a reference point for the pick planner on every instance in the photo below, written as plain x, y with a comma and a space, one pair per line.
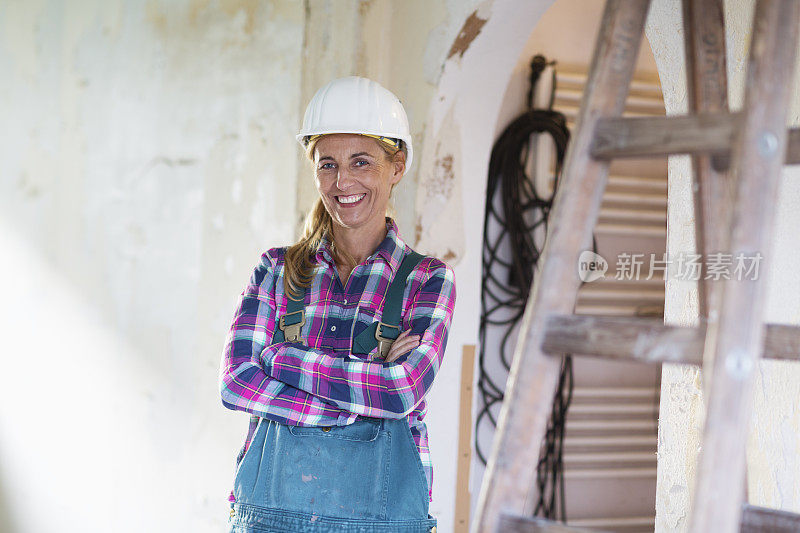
298, 264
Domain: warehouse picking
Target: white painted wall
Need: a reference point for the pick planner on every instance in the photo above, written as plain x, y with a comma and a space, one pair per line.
461, 131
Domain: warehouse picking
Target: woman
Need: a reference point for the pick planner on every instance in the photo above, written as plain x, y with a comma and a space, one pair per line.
337, 339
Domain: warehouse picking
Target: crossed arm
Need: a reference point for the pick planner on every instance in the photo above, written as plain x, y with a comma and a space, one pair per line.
244, 386
292, 382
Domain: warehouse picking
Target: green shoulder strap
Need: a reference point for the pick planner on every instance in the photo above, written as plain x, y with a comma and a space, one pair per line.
382, 333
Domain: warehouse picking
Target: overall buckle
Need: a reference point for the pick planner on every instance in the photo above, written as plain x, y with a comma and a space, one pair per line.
291, 332
385, 343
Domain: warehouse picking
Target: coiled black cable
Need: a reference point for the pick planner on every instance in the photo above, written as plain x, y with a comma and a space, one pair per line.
515, 210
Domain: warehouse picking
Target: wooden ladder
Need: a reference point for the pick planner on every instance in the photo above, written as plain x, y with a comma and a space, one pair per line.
735, 214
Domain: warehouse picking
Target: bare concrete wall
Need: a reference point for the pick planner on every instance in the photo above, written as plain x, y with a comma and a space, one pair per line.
148, 158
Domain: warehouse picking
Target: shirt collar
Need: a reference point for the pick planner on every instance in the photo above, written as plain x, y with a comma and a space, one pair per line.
391, 249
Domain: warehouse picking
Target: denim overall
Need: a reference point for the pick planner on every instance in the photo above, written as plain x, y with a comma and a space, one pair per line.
360, 478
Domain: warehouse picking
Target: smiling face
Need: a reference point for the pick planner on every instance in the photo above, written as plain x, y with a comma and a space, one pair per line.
354, 177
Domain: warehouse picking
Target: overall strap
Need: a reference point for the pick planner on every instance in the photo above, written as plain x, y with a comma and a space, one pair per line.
382, 333
292, 321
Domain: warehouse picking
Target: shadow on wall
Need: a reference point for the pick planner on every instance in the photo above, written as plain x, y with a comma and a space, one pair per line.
5, 513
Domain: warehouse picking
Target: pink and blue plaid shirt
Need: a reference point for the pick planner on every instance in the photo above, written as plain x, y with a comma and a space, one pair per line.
322, 383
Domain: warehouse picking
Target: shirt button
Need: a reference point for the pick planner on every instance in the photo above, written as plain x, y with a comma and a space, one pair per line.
333, 328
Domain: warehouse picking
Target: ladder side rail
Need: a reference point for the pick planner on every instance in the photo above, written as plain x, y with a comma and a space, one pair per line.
736, 339
533, 375
707, 88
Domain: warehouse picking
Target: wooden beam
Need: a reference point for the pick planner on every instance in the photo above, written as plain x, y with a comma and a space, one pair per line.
648, 340
533, 375
645, 340
763, 520
734, 343
782, 341
464, 440
706, 133
660, 136
707, 82
525, 524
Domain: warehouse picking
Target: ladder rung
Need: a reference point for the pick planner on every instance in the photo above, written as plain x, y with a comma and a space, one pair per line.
657, 199
649, 340
608, 291
612, 523
604, 441
615, 309
638, 85
631, 284
687, 134
571, 458
610, 425
525, 524
648, 215
652, 102
610, 473
595, 393
571, 99
654, 185
611, 228
764, 520
610, 408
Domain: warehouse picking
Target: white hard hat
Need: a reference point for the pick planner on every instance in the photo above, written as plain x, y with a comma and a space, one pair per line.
357, 105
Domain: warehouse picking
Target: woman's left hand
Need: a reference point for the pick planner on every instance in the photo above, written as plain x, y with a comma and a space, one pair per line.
404, 343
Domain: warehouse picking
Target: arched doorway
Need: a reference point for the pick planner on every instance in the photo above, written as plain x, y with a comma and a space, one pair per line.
463, 121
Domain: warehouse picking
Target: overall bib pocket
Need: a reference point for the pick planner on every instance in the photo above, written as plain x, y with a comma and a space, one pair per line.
363, 344
339, 471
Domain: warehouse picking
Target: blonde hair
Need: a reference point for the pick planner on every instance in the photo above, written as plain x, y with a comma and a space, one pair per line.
299, 258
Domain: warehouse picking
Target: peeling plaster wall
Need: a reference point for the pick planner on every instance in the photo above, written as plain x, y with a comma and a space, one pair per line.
148, 158
773, 456
459, 135
403, 46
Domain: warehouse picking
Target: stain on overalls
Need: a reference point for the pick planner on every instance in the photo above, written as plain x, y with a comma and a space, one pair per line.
361, 478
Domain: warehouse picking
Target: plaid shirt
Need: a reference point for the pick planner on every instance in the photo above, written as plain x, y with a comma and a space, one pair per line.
322, 383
